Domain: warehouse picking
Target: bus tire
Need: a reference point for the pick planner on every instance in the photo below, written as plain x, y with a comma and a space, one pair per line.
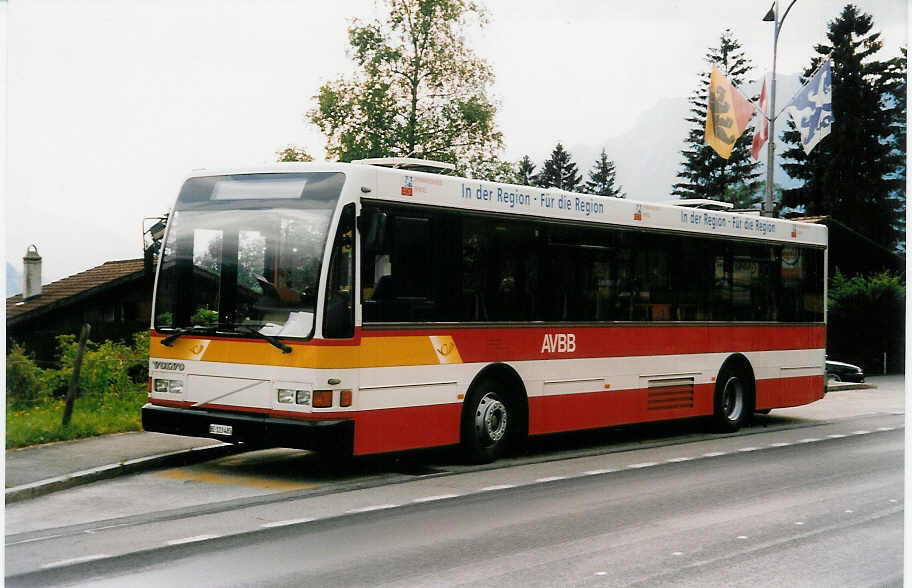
732, 402
488, 421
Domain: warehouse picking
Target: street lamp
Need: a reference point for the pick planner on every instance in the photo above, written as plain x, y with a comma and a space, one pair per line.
773, 16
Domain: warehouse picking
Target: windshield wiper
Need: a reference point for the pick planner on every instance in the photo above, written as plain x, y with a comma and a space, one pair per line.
252, 329
170, 339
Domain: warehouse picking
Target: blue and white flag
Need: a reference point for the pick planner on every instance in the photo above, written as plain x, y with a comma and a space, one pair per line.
812, 107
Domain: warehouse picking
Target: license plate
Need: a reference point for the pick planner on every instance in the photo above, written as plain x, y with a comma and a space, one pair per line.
220, 429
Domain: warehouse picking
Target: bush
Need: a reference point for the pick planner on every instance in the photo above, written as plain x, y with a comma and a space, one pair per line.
111, 391
24, 379
107, 368
866, 318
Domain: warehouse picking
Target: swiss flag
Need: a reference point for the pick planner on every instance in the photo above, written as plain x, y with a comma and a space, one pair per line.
761, 133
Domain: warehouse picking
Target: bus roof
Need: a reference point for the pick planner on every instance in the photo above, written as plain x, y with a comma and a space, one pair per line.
436, 190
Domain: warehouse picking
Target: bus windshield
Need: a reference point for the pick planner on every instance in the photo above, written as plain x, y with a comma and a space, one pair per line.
244, 264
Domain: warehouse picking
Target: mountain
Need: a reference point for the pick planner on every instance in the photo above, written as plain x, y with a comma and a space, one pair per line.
648, 156
13, 281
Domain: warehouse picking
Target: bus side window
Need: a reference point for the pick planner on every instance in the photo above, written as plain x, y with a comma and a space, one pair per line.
339, 310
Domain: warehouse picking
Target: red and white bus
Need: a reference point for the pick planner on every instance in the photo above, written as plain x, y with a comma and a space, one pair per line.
363, 308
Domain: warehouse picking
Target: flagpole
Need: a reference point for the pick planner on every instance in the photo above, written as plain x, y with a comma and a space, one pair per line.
773, 15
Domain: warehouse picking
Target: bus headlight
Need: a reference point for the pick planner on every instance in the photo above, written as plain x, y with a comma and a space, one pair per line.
293, 395
165, 386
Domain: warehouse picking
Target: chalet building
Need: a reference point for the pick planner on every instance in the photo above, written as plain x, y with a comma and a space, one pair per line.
115, 298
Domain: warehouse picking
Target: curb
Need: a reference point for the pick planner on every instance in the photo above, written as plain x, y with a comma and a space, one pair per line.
130, 466
838, 386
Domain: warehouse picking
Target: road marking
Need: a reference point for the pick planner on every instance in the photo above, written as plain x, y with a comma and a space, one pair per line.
97, 529
645, 464
886, 428
742, 537
714, 454
597, 472
194, 539
200, 473
42, 538
601, 573
836, 436
748, 449
497, 487
677, 553
861, 432
678, 459
849, 511
287, 522
809, 440
799, 523
893, 501
551, 479
371, 508
75, 560
780, 444
433, 498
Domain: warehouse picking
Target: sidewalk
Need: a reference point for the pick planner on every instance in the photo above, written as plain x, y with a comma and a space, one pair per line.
33, 471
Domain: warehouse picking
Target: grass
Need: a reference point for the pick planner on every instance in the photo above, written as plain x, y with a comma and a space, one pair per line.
92, 415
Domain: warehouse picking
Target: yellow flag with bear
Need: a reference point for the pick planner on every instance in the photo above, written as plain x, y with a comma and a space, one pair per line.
727, 114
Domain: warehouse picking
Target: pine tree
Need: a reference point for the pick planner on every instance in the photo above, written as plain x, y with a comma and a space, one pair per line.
704, 174
857, 172
559, 171
525, 172
602, 178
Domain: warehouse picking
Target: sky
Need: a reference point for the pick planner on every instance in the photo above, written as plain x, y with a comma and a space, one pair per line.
110, 103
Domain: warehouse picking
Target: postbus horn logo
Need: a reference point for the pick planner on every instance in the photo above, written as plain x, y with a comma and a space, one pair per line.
407, 186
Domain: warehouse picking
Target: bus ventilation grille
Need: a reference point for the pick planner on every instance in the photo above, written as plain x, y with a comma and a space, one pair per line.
671, 393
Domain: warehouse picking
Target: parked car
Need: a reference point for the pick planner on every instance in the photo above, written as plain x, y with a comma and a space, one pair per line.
837, 371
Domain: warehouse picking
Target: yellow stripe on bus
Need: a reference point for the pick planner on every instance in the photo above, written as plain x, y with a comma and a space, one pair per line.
373, 352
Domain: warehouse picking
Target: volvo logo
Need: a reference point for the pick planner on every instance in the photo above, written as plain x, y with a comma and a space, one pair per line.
175, 366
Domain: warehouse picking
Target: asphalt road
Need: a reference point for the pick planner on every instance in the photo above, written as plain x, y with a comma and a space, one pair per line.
820, 504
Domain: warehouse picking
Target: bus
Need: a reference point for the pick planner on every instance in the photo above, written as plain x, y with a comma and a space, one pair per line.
379, 306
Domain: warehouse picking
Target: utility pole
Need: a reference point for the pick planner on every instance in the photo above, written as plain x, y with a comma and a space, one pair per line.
773, 16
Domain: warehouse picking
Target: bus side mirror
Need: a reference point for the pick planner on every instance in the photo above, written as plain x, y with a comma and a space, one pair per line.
372, 225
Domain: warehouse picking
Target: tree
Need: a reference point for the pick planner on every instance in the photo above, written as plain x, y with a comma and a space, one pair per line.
602, 178
744, 195
419, 91
857, 173
525, 172
559, 171
858, 335
292, 153
703, 173
492, 169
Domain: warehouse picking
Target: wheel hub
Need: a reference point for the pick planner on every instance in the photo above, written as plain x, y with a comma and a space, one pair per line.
733, 399
491, 418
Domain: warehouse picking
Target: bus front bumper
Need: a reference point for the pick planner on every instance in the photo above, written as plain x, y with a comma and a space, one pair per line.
258, 430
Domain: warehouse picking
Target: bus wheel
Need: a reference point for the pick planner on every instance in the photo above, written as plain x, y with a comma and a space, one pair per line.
487, 424
731, 398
